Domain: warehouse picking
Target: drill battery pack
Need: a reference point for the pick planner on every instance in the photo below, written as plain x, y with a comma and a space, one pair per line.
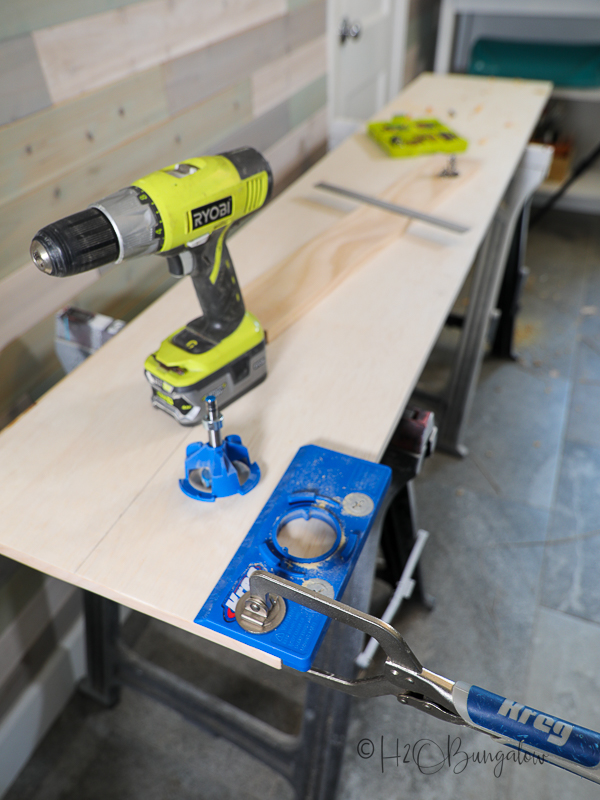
187, 368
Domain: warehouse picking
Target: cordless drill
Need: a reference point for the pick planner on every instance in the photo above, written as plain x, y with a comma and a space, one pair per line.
183, 212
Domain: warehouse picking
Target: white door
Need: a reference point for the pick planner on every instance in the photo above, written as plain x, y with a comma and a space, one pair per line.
367, 42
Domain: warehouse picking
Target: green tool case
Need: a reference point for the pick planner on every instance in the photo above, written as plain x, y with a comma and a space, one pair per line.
403, 137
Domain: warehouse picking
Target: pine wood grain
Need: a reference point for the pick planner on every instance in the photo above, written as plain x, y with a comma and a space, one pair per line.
280, 296
88, 53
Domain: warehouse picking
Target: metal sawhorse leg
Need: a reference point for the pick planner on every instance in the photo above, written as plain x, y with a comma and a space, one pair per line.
489, 265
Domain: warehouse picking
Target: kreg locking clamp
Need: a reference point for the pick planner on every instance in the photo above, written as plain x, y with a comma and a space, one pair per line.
558, 742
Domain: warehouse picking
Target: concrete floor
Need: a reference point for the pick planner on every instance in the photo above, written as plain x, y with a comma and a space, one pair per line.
512, 560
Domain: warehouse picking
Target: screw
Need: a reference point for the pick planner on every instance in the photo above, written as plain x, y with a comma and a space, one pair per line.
255, 607
450, 170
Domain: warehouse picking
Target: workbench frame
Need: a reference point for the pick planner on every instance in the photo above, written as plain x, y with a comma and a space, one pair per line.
488, 271
89, 476
310, 761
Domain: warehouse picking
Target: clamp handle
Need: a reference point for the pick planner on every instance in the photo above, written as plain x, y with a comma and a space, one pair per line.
572, 747
554, 740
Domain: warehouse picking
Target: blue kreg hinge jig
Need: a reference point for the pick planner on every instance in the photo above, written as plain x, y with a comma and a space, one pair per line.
337, 496
281, 603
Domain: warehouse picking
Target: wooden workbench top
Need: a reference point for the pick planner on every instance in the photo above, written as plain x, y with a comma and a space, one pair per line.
89, 476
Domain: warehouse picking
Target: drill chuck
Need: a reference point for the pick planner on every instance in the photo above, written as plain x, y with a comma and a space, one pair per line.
117, 227
75, 244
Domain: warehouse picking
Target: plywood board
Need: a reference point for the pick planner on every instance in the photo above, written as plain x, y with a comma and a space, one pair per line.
102, 505
42, 147
280, 296
489, 113
88, 53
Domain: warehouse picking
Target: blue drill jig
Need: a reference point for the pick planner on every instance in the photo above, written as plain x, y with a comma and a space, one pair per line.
219, 468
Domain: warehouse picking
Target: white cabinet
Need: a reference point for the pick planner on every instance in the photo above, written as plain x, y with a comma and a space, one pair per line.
463, 22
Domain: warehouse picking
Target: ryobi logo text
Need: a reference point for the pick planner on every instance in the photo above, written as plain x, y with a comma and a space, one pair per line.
211, 212
559, 731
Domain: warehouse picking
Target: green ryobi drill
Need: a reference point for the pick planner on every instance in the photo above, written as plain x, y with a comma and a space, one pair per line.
183, 212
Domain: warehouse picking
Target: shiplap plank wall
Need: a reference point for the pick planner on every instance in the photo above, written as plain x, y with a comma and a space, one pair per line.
282, 78
42, 147
186, 80
22, 86
24, 16
91, 52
